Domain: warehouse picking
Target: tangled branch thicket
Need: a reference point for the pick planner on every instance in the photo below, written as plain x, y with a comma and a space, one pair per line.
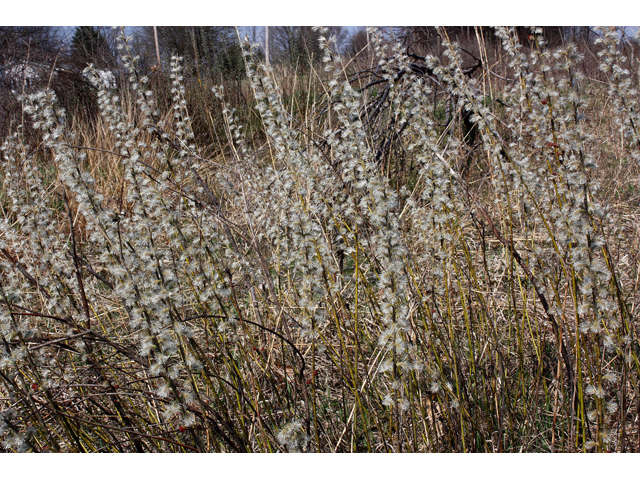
300, 296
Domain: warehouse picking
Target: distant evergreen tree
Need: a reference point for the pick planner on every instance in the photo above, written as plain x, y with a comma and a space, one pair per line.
300, 45
88, 45
206, 50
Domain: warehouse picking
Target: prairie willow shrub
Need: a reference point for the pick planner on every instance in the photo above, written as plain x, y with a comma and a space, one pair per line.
376, 207
578, 220
624, 95
145, 97
308, 207
184, 133
300, 187
34, 271
149, 249
439, 217
33, 241
383, 289
292, 436
34, 237
555, 191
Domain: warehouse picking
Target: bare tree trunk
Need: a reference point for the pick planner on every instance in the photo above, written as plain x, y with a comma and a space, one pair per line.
195, 52
369, 55
155, 36
266, 46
